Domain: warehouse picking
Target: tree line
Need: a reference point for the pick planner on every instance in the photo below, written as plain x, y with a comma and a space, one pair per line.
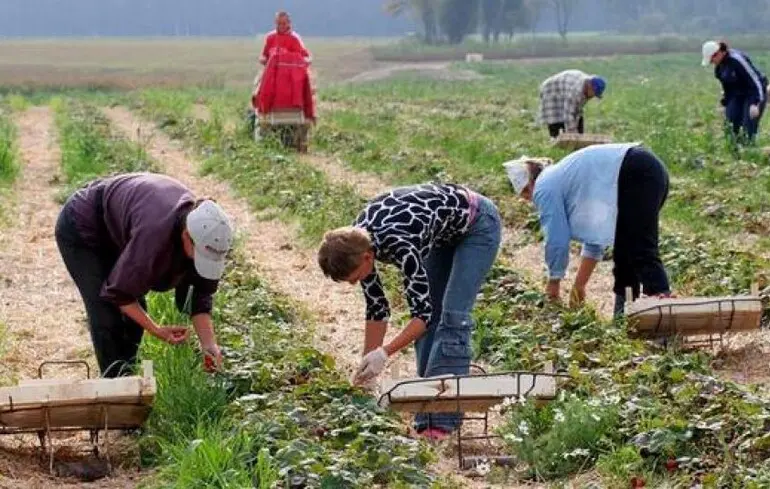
496, 20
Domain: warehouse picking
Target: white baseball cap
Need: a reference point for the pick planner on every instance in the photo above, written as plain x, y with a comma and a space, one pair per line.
518, 173
212, 236
709, 49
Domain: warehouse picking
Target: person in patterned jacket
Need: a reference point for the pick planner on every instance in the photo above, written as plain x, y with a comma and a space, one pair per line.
562, 97
444, 238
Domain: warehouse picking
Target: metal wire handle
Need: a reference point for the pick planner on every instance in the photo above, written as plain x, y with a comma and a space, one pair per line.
64, 362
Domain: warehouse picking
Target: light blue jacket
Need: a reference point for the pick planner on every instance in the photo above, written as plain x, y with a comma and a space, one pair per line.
577, 198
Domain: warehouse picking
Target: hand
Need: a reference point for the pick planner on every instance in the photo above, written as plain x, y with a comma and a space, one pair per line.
371, 366
172, 335
754, 111
212, 358
552, 290
577, 296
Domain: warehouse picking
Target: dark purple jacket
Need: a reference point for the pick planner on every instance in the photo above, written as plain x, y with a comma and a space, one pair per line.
136, 220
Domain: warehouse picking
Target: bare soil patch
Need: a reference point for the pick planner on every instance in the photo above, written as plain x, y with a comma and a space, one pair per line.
40, 304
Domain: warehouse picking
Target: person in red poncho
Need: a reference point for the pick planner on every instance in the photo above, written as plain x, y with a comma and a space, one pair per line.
283, 37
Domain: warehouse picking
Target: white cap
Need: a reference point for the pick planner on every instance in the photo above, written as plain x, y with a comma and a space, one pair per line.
212, 236
518, 173
710, 48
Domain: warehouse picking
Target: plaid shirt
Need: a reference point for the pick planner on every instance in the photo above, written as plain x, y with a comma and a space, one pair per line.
562, 98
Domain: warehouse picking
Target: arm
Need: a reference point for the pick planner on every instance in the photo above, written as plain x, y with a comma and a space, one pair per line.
374, 335
553, 220
301, 48
172, 335
414, 329
266, 46
572, 109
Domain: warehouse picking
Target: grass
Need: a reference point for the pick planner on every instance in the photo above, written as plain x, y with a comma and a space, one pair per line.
90, 149
579, 45
278, 414
9, 158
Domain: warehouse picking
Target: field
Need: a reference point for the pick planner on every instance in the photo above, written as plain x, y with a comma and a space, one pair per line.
283, 413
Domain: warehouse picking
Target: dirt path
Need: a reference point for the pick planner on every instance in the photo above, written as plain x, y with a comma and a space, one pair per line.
438, 71
40, 305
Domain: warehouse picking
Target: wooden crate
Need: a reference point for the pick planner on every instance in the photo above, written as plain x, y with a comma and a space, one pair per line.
89, 404
471, 393
694, 316
574, 141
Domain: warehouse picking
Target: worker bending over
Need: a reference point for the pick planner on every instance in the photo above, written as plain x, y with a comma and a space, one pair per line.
602, 195
744, 88
122, 237
444, 239
283, 37
562, 97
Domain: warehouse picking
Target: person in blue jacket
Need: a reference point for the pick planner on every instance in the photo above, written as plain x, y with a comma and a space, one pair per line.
744, 88
603, 195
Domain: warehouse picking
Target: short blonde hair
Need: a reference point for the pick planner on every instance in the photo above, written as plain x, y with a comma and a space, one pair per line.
341, 250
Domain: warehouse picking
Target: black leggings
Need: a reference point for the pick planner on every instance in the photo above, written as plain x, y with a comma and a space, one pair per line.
642, 191
555, 129
115, 337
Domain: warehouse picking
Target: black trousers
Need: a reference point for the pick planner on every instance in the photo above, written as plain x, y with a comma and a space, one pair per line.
555, 129
115, 337
642, 191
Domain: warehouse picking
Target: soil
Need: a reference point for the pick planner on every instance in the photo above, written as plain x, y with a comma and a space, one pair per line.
40, 304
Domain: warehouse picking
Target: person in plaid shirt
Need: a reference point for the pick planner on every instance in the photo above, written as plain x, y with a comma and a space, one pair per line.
562, 97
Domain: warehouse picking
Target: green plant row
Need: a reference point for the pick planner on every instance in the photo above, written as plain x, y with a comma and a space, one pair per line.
279, 414
90, 148
630, 409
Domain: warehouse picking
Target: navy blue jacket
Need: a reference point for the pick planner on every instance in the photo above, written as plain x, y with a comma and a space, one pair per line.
740, 79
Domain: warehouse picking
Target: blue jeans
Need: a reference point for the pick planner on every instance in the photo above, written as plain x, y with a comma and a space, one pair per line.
737, 114
455, 275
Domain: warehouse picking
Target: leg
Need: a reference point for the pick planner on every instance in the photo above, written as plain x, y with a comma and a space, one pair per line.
89, 269
438, 266
734, 115
581, 125
474, 256
129, 341
751, 126
642, 191
555, 129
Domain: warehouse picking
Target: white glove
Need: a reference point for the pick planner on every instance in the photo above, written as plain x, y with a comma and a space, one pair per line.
754, 111
371, 366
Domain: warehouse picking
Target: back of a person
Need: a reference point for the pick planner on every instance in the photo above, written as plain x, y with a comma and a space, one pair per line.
586, 180
434, 212
124, 198
562, 82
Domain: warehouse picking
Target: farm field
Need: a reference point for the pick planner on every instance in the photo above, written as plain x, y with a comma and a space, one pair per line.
282, 413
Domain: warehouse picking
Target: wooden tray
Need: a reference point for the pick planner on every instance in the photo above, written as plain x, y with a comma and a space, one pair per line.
573, 140
89, 404
468, 393
694, 316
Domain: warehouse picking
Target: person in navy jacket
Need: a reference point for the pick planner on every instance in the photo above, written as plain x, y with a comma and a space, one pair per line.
744, 88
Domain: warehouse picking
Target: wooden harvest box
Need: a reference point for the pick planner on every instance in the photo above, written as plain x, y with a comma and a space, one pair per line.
574, 141
692, 316
470, 393
89, 404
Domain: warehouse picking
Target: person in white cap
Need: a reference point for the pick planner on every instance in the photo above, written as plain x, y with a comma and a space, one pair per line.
124, 236
602, 195
744, 88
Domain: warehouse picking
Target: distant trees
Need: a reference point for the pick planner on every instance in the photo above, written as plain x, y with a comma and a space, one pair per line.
453, 20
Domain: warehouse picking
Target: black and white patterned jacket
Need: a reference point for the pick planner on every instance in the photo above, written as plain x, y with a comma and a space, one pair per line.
405, 224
